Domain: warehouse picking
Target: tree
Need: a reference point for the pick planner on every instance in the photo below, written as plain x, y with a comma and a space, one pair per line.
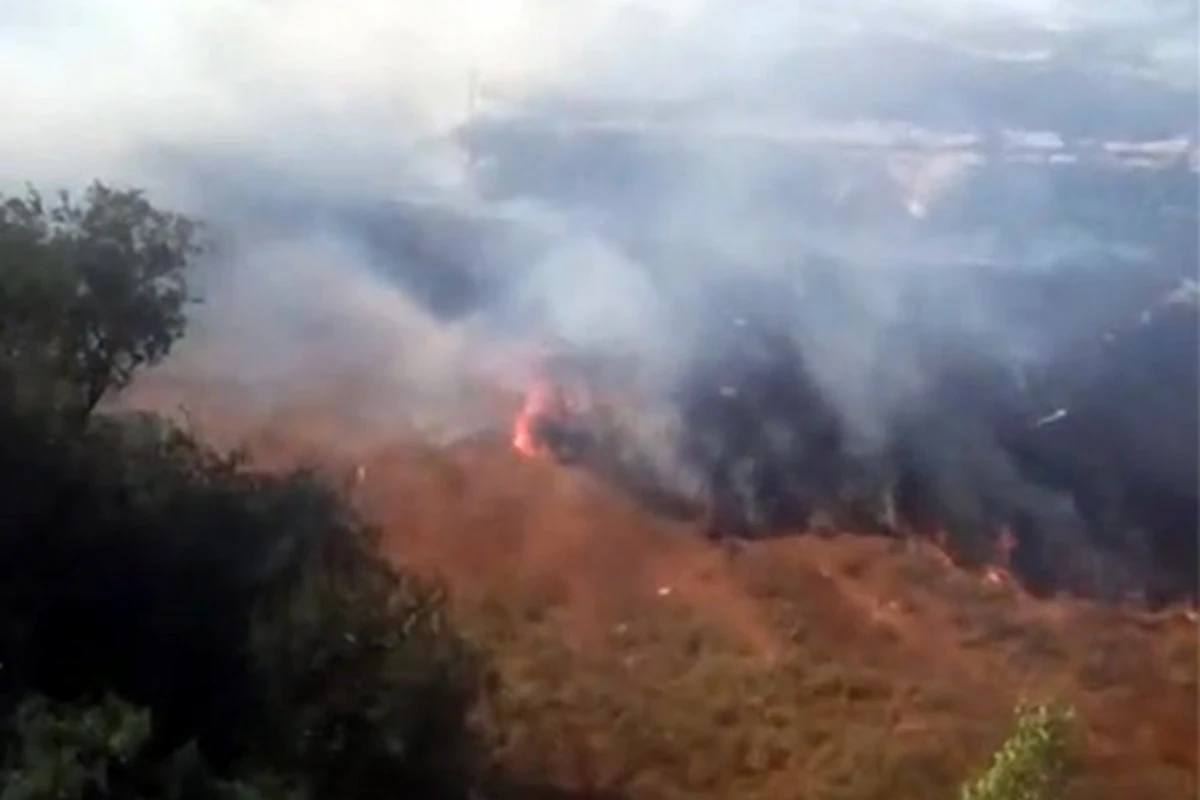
95, 751
269, 651
250, 613
365, 683
90, 291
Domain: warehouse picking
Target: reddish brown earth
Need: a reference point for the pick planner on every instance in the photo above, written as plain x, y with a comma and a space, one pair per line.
636, 660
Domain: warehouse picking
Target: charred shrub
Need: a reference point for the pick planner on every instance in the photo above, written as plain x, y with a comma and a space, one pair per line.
1084, 455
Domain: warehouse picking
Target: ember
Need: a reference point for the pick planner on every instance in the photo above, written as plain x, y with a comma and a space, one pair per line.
996, 576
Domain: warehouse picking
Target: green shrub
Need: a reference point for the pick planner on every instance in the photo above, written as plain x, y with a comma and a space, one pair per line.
367, 686
1031, 764
64, 751
250, 614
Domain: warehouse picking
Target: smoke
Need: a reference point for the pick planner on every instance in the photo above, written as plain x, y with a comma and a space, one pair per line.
415, 190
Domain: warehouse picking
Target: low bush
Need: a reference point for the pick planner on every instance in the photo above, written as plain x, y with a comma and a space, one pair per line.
1032, 762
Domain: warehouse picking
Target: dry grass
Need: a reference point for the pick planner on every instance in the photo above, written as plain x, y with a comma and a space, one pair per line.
633, 660
670, 705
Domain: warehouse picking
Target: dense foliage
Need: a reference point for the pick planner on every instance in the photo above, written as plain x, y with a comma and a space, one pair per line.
172, 622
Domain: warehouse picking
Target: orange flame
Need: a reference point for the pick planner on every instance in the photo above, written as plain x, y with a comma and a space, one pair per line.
540, 401
997, 573
997, 576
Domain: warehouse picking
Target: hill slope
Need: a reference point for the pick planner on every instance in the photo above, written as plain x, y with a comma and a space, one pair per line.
635, 660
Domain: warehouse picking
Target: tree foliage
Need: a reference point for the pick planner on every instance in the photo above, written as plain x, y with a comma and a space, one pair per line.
63, 751
259, 644
91, 290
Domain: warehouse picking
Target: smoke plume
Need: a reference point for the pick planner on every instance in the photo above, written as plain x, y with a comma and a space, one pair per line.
923, 253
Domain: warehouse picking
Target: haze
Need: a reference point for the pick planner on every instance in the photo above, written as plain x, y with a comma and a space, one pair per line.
279, 120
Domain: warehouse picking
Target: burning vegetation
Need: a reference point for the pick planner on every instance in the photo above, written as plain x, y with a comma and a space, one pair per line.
1073, 474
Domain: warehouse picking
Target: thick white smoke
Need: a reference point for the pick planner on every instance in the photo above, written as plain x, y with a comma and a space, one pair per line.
281, 120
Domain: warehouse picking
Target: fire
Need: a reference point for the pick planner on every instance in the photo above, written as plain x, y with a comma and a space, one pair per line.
997, 576
556, 394
543, 401
539, 401
997, 573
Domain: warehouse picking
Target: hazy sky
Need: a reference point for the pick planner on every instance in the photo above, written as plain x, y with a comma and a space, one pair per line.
101, 82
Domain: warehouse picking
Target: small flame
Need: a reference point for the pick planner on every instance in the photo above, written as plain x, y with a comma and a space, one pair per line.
550, 397
997, 573
539, 400
542, 401
997, 576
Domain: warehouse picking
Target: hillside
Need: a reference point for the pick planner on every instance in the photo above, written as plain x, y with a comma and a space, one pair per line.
660, 401
635, 660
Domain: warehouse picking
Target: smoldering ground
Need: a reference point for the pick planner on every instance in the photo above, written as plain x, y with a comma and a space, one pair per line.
639, 179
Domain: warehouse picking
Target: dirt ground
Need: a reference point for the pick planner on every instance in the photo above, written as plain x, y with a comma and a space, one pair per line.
635, 660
